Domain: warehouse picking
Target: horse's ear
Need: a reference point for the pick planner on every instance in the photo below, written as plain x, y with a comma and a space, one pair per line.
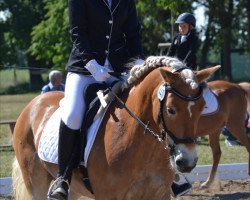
204, 74
168, 76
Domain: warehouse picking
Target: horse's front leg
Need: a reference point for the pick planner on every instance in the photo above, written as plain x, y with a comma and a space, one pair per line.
214, 142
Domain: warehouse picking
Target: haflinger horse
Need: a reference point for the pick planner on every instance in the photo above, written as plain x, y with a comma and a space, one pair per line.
246, 86
232, 100
129, 159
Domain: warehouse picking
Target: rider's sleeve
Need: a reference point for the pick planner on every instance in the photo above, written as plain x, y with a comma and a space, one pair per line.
78, 29
132, 30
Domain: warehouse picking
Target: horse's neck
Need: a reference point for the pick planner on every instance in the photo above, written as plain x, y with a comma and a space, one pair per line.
128, 156
141, 95
140, 103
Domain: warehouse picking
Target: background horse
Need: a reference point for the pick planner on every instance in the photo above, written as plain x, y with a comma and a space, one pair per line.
124, 163
232, 101
246, 86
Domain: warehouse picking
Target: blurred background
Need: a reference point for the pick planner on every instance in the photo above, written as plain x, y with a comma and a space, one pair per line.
34, 37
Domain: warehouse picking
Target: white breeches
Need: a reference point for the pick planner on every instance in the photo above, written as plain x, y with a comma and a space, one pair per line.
74, 103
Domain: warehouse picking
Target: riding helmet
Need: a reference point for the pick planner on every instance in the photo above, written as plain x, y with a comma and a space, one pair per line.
186, 18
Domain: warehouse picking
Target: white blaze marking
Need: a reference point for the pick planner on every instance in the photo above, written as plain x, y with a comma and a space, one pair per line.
190, 103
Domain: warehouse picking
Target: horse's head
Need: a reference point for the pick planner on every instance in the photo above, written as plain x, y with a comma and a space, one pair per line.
181, 103
174, 92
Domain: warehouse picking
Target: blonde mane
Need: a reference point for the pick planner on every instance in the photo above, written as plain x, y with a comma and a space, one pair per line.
152, 62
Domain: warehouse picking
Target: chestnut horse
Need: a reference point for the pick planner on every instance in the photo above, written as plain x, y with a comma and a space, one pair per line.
232, 99
125, 161
246, 86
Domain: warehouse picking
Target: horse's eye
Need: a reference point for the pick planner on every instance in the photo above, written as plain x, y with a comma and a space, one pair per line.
171, 111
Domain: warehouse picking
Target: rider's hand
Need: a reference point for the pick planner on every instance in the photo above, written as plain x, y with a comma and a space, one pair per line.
99, 72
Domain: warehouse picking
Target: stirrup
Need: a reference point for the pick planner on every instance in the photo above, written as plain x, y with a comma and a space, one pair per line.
181, 189
59, 190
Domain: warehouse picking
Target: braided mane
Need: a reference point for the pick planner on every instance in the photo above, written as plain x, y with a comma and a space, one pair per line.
152, 62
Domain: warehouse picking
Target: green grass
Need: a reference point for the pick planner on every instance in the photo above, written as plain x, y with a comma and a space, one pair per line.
229, 154
7, 157
10, 107
17, 81
7, 78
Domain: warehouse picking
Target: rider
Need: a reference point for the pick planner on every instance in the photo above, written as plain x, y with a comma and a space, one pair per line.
105, 35
184, 47
184, 44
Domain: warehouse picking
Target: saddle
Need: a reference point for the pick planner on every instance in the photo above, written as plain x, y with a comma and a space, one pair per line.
92, 106
48, 143
93, 103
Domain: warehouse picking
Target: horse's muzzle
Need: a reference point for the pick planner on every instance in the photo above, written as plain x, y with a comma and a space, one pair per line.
184, 165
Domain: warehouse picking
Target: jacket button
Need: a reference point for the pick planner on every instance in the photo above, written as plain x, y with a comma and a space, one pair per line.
106, 51
107, 36
110, 21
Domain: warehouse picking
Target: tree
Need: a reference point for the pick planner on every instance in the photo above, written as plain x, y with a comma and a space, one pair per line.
224, 11
157, 20
51, 38
5, 48
24, 14
41, 29
228, 28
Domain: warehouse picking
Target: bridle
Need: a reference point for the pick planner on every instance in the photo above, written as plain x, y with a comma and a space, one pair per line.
173, 141
162, 93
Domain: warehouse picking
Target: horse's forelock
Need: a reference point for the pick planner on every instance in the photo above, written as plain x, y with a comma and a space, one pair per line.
189, 78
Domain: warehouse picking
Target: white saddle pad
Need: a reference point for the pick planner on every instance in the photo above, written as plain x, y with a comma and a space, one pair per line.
212, 104
48, 144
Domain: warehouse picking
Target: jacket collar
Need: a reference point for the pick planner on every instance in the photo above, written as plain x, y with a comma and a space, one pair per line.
114, 4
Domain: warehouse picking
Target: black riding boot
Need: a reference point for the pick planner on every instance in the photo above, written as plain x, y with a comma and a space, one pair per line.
67, 144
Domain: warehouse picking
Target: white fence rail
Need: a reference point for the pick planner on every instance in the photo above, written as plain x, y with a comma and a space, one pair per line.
224, 172
5, 186
200, 173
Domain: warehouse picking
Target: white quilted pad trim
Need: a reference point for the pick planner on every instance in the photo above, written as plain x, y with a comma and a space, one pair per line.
211, 102
48, 144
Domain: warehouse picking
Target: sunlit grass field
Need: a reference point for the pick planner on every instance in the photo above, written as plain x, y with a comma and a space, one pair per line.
10, 108
16, 81
13, 77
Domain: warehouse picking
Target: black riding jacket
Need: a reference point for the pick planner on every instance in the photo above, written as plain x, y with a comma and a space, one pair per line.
98, 32
185, 51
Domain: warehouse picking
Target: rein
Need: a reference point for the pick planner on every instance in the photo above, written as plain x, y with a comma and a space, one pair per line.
165, 133
145, 126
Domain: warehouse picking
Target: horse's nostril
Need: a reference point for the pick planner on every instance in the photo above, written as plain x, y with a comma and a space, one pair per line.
181, 162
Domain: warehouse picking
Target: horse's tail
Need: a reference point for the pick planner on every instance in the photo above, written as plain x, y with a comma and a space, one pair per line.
19, 189
246, 86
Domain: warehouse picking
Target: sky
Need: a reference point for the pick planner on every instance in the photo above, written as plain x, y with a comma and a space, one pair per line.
1, 15
200, 16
